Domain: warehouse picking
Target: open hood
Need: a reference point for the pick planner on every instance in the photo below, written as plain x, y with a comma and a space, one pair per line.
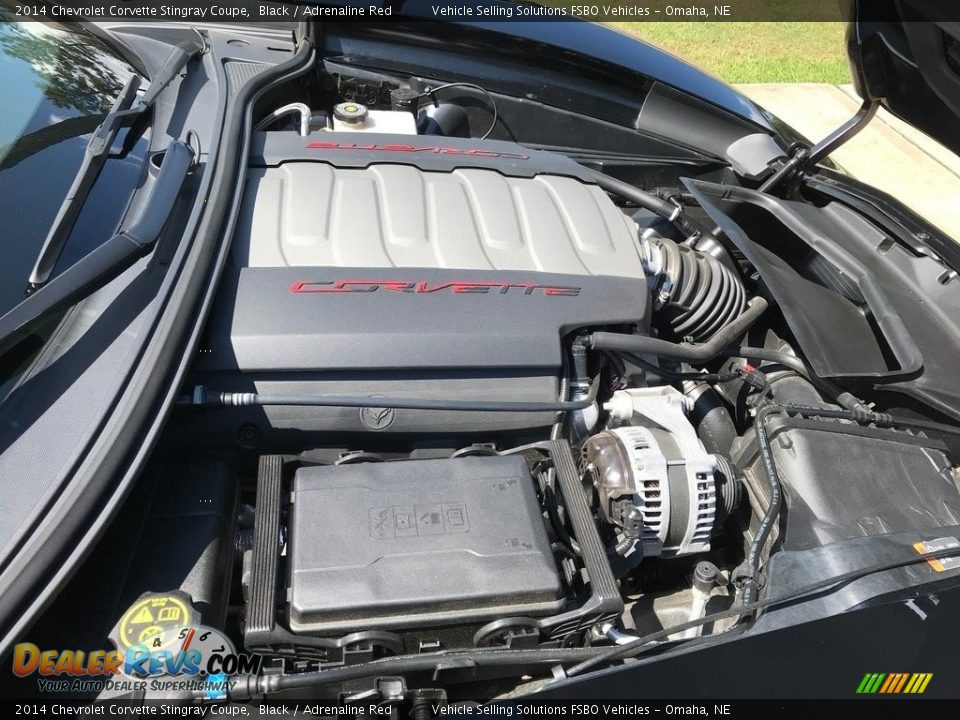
907, 54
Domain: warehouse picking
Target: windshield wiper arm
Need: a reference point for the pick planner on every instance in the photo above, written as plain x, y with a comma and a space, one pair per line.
93, 159
109, 259
96, 153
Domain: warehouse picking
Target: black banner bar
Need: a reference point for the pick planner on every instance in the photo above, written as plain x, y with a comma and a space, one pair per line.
234, 11
594, 709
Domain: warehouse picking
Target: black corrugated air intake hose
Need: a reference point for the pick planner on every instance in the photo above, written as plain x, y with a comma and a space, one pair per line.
695, 294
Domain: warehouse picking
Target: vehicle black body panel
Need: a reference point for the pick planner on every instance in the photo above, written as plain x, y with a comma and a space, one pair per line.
852, 263
625, 90
912, 64
174, 534
200, 311
811, 279
581, 49
824, 658
105, 394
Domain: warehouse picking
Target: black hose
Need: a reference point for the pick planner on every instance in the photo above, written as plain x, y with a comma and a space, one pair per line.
792, 362
201, 396
827, 387
243, 687
770, 515
870, 417
682, 375
472, 86
709, 415
667, 210
686, 352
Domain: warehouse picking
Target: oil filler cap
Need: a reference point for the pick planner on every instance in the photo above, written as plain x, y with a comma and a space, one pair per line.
350, 112
404, 100
151, 614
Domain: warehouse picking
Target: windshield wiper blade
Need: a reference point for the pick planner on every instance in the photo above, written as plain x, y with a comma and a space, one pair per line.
94, 157
109, 259
122, 114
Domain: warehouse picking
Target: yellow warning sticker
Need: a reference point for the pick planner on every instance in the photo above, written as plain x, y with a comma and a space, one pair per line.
143, 616
151, 615
941, 564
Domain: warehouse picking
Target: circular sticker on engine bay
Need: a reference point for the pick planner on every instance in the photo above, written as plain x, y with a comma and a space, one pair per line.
151, 615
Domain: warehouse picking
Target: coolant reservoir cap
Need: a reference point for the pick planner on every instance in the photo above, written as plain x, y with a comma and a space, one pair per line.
152, 614
350, 112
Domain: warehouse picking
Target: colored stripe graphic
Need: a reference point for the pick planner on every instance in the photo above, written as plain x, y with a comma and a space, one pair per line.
901, 683
891, 680
894, 683
862, 687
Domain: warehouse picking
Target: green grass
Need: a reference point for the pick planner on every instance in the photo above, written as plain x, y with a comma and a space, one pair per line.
753, 52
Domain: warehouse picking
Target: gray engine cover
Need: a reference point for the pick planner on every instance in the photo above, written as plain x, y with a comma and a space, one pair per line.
313, 214
383, 278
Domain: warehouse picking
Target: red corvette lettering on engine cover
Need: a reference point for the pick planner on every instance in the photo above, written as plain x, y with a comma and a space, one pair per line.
403, 148
423, 287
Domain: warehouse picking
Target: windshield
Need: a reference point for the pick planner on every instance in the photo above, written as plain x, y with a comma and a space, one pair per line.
57, 84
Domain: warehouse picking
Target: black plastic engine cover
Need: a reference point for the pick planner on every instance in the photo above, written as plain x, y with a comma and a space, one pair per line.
391, 332
417, 543
301, 319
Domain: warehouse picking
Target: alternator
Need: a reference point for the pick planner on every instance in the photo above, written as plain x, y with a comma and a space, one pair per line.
654, 480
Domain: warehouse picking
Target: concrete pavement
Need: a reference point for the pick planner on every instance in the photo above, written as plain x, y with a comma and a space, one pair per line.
888, 153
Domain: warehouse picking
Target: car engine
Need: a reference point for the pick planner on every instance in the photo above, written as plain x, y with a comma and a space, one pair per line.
466, 271
381, 268
476, 397
493, 463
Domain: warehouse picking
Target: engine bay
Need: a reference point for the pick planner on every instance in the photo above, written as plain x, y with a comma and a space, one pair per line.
461, 396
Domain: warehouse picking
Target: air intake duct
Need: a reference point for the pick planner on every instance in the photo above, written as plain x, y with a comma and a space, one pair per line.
694, 294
